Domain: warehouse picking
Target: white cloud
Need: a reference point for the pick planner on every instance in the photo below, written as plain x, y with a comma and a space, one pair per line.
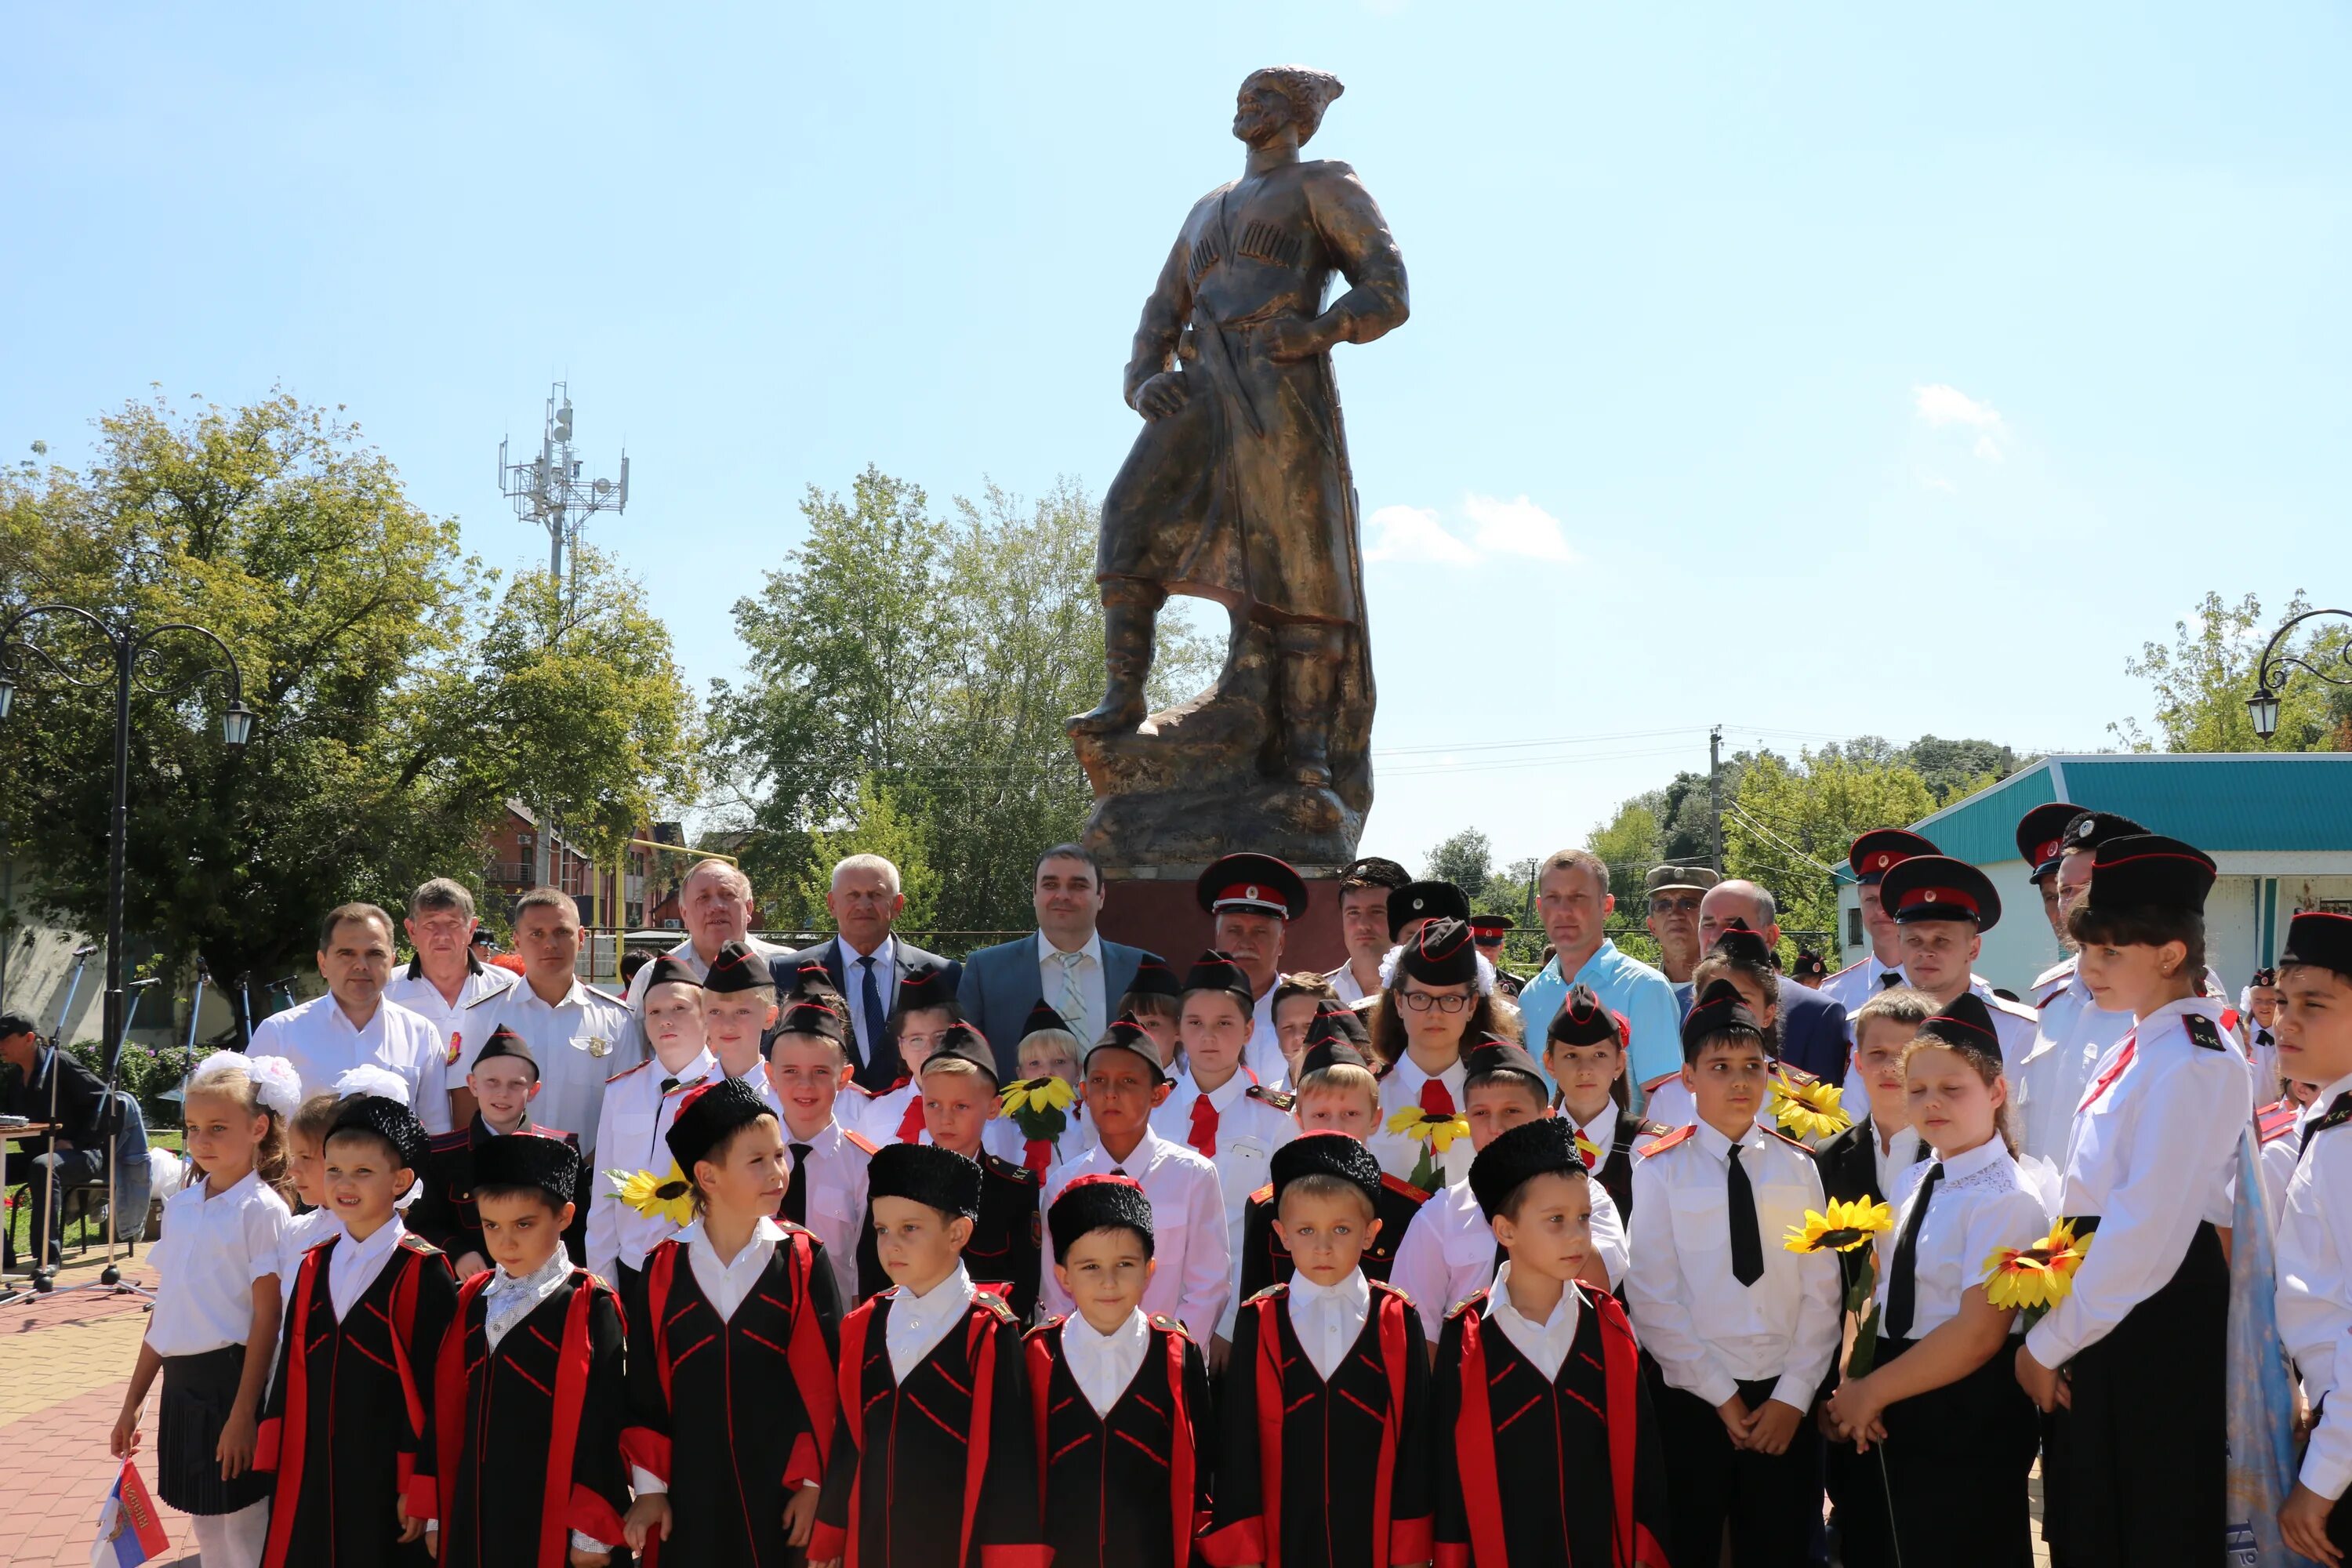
1415, 533
1939, 482
1940, 404
1988, 450
1515, 528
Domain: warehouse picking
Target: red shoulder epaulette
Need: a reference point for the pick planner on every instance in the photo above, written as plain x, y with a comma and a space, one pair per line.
627, 1072
1645, 1127
442, 1143
1678, 1135
860, 1139
2272, 1122
1797, 1143
1264, 1194
1397, 1185
1472, 1304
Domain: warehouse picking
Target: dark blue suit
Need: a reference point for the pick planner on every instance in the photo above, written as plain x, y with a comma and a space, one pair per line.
1813, 1033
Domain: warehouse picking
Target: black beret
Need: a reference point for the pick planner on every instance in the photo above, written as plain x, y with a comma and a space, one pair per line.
666, 970
738, 968
1939, 888
1722, 1011
1153, 977
1041, 1018
2041, 836
1098, 1203
1329, 1053
1741, 945
1339, 1023
528, 1159
1440, 954
1882, 849
2089, 829
964, 1044
1494, 1055
1213, 971
1545, 1146
1427, 902
1965, 1024
2147, 870
1252, 884
1372, 871
817, 1012
1126, 1035
808, 974
924, 986
1584, 1021
709, 1113
927, 1175
2315, 937
505, 1042
388, 1120
1325, 1152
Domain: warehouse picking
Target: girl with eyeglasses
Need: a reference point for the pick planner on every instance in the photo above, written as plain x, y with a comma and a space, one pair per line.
1432, 1005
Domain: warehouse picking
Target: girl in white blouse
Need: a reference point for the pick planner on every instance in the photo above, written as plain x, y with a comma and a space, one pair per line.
1941, 1409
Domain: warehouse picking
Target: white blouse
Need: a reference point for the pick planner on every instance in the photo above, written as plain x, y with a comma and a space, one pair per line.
212, 1252
1983, 1204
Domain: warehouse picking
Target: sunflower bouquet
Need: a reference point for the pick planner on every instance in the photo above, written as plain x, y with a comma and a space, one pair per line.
668, 1197
1846, 1226
1039, 1107
1436, 1133
2037, 1278
1809, 1109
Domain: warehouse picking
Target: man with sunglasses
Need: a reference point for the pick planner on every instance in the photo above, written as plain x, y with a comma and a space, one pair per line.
1674, 893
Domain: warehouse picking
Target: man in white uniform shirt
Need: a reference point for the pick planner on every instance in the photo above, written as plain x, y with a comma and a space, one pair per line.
1364, 889
444, 978
579, 1035
715, 900
1870, 858
353, 1024
1251, 901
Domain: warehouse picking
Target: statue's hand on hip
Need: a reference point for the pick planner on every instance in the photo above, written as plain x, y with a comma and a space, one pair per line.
1162, 395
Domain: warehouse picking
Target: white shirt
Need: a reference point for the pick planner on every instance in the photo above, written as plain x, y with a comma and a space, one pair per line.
1891, 1159
2151, 1154
1448, 1252
632, 1135
885, 987
918, 1323
1709, 1332
353, 1266
1194, 1260
412, 991
1101, 1364
684, 952
212, 1251
1343, 981
319, 1040
303, 1232
580, 1041
507, 1300
1545, 1343
2013, 1024
879, 1118
1982, 1204
1248, 1132
1093, 1015
1860, 981
1263, 1055
2073, 1034
2315, 1290
835, 1184
1328, 1319
1397, 1153
725, 1283
2277, 1160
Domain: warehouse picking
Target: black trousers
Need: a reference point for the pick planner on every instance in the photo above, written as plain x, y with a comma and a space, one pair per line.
1955, 1464
1772, 1502
2133, 1475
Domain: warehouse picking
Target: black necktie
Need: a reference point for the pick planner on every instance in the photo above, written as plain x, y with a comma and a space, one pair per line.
2262, 1037
796, 1192
871, 1000
1747, 1234
1891, 979
1902, 1279
669, 1084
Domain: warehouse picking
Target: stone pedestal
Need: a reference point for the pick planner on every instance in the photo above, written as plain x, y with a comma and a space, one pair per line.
1154, 907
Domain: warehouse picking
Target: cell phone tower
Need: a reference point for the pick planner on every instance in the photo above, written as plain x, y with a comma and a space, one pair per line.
548, 489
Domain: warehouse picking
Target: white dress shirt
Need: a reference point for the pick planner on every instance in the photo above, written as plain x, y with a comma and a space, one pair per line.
1860, 981
1328, 1318
1709, 1332
303, 1231
353, 1266
879, 1117
2073, 1034
1194, 1276
412, 991
320, 1040
1101, 1364
2013, 1024
1093, 1011
725, 1283
581, 1040
1891, 1159
212, 1251
2152, 1153
918, 1323
2277, 1160
1448, 1252
2315, 1290
885, 987
835, 1184
1343, 981
509, 1298
1545, 1343
1982, 1204
684, 952
1397, 1153
632, 1135
1248, 1132
1263, 1055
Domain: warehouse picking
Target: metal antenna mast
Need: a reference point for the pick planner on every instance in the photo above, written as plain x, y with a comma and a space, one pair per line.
548, 489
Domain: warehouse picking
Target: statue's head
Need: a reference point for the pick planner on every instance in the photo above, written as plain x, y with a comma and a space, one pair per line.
1280, 96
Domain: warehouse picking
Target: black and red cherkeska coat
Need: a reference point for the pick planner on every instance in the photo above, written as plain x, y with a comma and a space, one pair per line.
1130, 1488
735, 1414
1565, 1469
525, 1438
445, 1213
940, 1470
1318, 1473
1265, 1261
348, 1410
1004, 1252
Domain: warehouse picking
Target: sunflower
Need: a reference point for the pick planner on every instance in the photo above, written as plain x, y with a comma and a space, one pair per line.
663, 1198
1846, 1226
1588, 1150
2035, 1277
1809, 1109
1039, 1107
1428, 1127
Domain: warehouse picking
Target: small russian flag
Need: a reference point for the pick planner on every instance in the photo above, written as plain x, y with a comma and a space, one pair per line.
128, 1531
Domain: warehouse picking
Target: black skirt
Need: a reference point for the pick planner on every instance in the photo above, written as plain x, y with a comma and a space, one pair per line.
199, 1391
1953, 1466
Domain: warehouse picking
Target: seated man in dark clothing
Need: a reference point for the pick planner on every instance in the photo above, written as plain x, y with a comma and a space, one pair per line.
77, 1151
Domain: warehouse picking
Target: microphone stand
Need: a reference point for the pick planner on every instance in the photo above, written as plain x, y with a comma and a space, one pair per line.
44, 1278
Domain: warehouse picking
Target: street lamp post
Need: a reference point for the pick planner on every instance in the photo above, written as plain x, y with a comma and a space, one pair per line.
128, 644
2271, 675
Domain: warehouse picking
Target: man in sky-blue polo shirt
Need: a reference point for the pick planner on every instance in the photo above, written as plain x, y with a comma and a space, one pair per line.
1573, 900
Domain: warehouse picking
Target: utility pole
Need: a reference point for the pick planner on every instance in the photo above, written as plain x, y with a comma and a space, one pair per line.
548, 489
1715, 789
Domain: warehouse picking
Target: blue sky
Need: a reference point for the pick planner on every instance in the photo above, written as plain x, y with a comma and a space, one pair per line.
1841, 369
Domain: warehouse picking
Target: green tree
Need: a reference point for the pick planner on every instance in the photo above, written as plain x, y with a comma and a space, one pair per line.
1466, 859
1628, 843
876, 826
1791, 824
2202, 683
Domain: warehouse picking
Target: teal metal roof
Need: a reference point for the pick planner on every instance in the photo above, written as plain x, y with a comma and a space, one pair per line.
2220, 802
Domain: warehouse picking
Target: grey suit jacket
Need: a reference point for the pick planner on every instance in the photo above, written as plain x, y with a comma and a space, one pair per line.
1001, 986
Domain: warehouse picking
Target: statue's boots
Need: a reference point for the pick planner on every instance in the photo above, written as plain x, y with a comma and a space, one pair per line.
1310, 679
1127, 637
